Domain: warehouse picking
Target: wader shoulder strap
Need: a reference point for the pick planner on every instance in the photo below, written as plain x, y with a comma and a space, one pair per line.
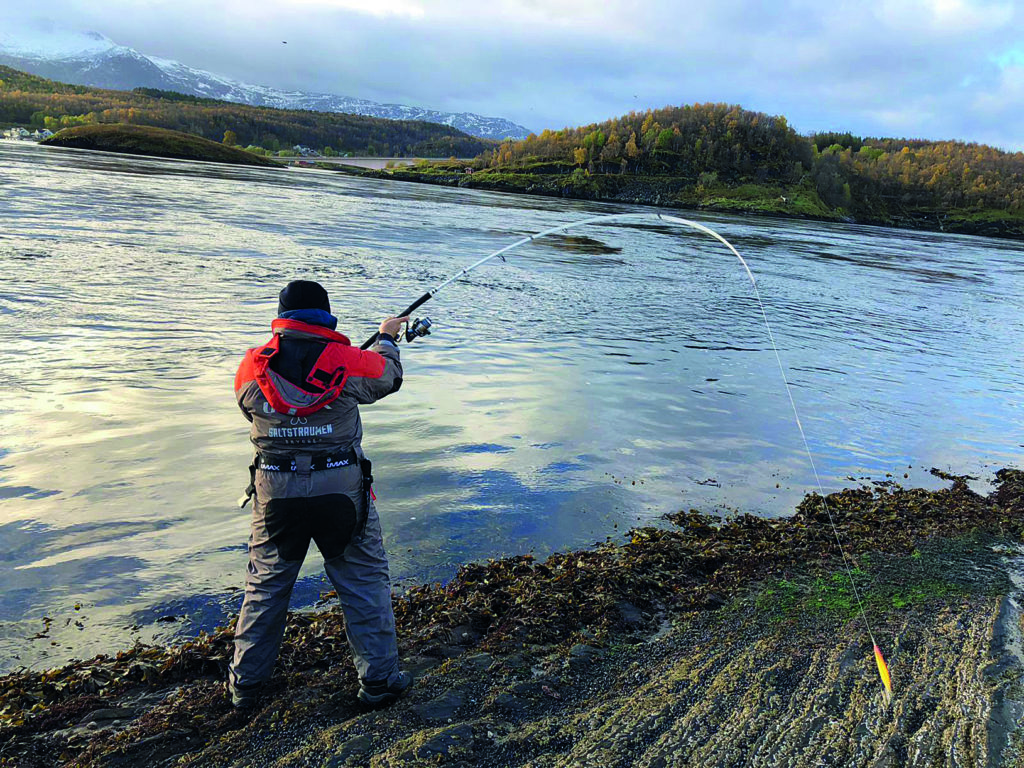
261, 372
367, 467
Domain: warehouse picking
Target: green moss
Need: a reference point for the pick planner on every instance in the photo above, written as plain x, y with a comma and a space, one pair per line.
887, 582
755, 198
988, 215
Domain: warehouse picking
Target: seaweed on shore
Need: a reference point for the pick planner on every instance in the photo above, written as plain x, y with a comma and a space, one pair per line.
501, 606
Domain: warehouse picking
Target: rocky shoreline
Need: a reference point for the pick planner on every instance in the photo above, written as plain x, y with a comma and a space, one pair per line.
700, 643
670, 192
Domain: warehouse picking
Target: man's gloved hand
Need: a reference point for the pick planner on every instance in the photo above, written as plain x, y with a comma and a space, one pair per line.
393, 326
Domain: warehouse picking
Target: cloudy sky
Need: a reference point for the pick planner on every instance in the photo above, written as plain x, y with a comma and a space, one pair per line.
921, 68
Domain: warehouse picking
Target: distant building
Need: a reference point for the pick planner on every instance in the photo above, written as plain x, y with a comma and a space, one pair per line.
17, 133
43, 134
305, 151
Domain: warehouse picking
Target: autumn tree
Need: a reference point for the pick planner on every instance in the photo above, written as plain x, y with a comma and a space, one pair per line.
632, 150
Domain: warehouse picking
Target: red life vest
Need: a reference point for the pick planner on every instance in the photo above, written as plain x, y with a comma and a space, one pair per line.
338, 361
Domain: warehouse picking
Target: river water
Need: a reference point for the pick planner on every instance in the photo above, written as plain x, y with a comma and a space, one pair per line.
595, 381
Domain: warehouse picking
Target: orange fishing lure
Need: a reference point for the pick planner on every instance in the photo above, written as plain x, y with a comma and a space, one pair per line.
883, 671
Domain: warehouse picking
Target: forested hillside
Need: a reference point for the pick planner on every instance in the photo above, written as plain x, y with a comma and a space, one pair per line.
724, 157
719, 143
676, 141
34, 101
930, 174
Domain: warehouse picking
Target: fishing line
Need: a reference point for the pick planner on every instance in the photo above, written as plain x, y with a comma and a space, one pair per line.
883, 670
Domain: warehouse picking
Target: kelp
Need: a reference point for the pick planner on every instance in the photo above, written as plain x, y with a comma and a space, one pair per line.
696, 562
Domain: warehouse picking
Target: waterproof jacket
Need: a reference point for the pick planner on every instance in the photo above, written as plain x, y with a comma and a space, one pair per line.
301, 390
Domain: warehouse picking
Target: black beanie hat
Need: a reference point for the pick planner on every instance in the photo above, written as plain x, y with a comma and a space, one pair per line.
302, 294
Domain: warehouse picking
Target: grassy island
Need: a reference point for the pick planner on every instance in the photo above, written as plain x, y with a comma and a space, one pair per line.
701, 642
155, 142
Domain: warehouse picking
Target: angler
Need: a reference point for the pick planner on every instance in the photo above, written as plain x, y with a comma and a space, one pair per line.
311, 480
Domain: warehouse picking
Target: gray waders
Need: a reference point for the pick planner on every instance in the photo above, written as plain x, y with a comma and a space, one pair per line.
333, 508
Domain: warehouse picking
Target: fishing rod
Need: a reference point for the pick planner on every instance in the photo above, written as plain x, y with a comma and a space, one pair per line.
419, 328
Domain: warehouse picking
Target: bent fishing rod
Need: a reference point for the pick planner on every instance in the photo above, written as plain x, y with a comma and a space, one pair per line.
419, 328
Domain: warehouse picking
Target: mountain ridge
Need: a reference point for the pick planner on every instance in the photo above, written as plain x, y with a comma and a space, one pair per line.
31, 100
95, 60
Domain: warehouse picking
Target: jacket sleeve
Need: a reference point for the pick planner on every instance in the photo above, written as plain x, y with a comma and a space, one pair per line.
367, 388
245, 376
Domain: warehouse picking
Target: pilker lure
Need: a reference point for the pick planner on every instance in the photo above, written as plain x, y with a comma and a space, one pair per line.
883, 668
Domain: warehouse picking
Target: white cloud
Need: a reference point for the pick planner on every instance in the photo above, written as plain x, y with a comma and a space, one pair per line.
927, 68
383, 8
953, 17
1005, 102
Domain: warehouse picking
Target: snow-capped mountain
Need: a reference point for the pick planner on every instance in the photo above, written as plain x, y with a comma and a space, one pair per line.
92, 59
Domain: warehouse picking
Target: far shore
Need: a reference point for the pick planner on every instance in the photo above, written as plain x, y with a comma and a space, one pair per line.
370, 163
794, 202
338, 163
657, 192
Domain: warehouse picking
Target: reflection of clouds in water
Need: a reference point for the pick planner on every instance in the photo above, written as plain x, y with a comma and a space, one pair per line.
24, 491
482, 448
107, 580
35, 588
498, 514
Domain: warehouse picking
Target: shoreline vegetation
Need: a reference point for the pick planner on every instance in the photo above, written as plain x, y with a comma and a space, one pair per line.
699, 642
153, 142
784, 202
720, 157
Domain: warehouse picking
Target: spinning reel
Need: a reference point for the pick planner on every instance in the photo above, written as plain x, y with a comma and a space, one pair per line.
418, 329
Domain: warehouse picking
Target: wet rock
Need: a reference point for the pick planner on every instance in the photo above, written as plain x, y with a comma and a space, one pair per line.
444, 651
631, 615
351, 752
893, 754
417, 666
441, 709
106, 715
464, 634
514, 663
171, 735
480, 661
525, 688
582, 651
714, 601
509, 703
457, 740
432, 747
581, 656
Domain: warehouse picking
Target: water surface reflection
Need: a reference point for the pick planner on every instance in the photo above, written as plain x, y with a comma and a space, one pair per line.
587, 363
